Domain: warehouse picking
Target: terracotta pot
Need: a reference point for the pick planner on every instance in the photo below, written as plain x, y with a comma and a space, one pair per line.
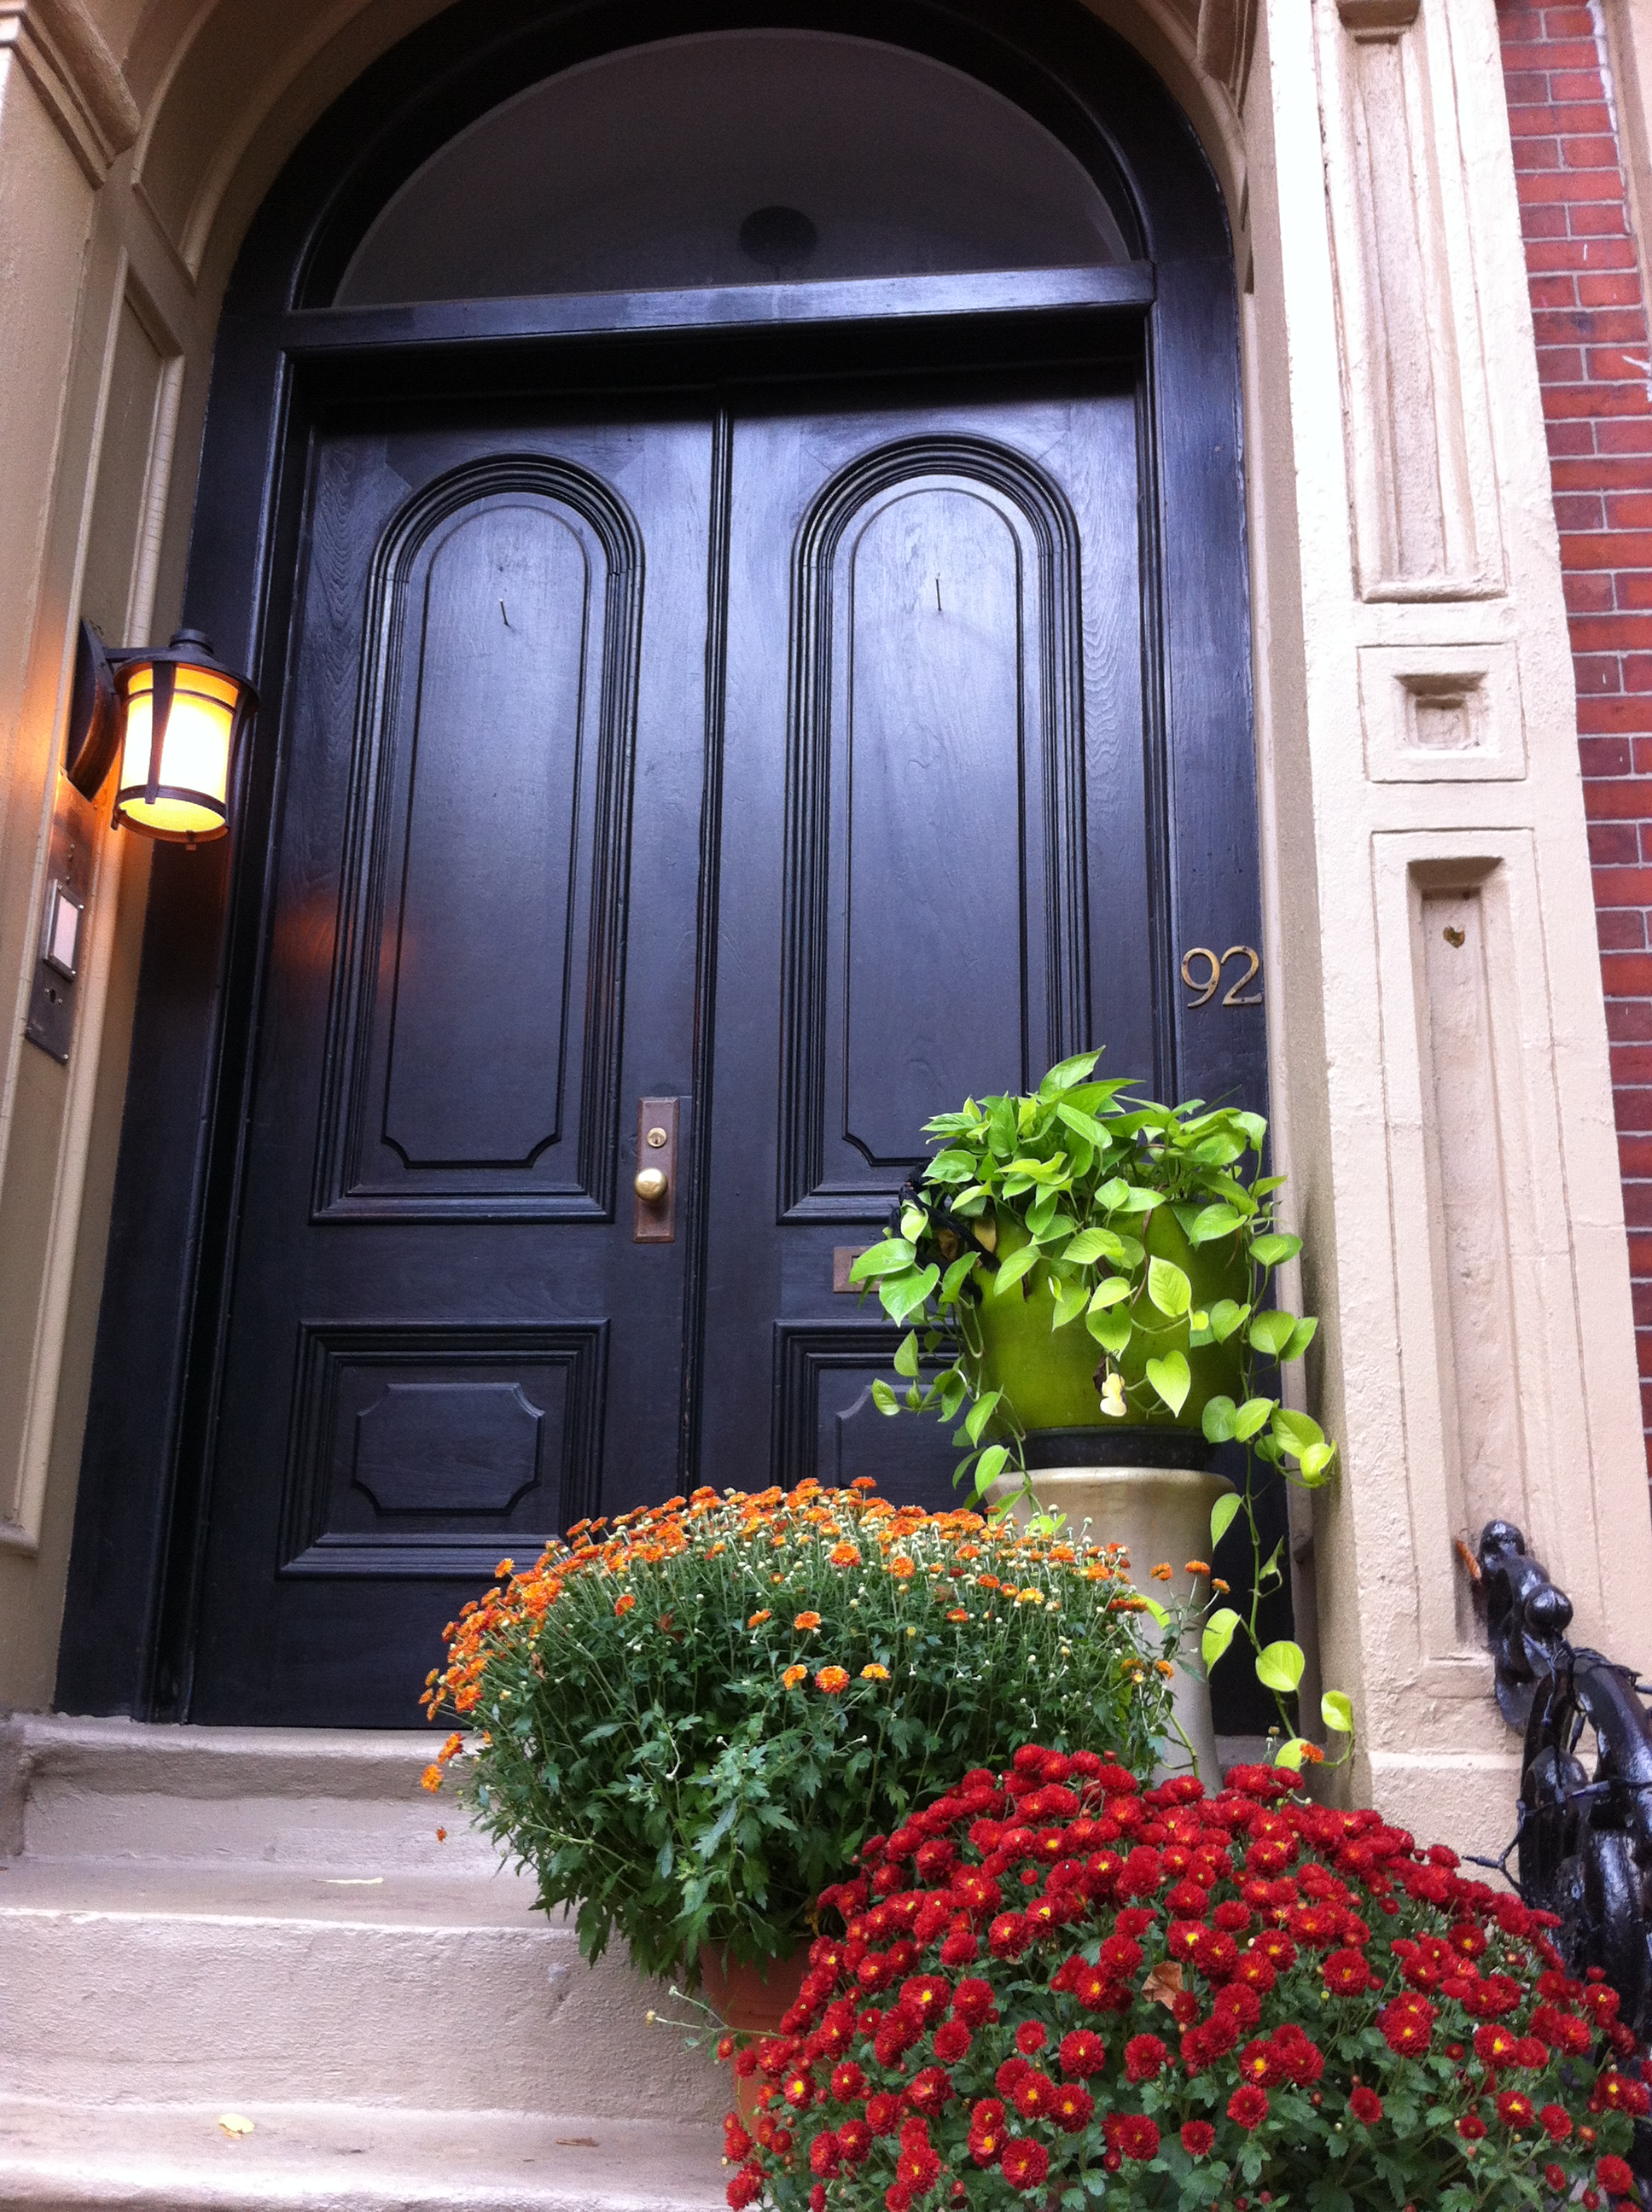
1159, 1514
752, 2001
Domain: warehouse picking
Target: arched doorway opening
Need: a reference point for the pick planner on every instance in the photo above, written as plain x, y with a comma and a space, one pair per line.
741, 541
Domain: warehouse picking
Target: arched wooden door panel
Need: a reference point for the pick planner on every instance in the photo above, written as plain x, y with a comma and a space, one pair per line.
803, 704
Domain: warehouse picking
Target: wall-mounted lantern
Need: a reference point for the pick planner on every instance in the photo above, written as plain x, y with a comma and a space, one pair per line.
172, 716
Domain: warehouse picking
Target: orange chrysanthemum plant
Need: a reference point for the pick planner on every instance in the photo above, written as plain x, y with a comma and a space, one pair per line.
1050, 1988
686, 1724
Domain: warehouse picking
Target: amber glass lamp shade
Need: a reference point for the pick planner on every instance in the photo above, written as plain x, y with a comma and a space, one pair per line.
181, 712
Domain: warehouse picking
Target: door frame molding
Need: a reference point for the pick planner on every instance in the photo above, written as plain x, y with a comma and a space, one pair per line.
283, 365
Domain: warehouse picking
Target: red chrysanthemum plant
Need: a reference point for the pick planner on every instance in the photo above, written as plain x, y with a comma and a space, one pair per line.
1050, 1988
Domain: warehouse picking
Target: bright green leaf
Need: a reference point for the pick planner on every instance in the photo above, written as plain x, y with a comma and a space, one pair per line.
1111, 1331
1219, 1634
1315, 1463
1107, 1293
955, 1277
1067, 1074
1087, 1246
1337, 1711
1274, 1248
975, 1420
1222, 1514
906, 1354
1301, 1337
1169, 1287
1214, 1221
881, 1259
1217, 1421
903, 1294
1012, 1270
1225, 1316
1293, 1750
1279, 1666
1171, 1378
1070, 1299
991, 1465
884, 1398
1297, 1431
1251, 1416
1271, 1331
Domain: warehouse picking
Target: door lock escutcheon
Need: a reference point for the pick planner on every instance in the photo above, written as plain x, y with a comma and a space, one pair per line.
654, 1185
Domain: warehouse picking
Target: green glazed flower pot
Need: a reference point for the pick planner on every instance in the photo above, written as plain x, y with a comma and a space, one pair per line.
1047, 1375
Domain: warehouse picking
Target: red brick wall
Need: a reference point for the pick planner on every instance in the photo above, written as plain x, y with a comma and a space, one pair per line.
1596, 375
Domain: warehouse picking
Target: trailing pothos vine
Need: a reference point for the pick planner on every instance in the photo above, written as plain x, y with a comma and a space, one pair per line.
1065, 1192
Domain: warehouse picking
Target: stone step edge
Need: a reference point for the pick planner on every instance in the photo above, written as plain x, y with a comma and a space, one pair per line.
179, 2158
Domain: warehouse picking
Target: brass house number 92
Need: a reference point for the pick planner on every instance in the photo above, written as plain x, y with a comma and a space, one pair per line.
1201, 971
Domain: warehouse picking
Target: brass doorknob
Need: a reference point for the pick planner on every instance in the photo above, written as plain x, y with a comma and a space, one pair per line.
650, 1185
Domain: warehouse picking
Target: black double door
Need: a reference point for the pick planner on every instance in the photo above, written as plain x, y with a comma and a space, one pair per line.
783, 758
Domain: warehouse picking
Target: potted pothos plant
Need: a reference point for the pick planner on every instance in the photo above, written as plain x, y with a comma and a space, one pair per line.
1086, 1279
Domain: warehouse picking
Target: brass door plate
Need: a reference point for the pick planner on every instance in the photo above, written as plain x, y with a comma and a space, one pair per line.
654, 1220
843, 1258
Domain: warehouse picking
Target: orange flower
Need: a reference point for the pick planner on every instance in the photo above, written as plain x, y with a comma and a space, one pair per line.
758, 1619
505, 1567
807, 1621
957, 1613
793, 1676
1198, 1567
1162, 1572
902, 1567
831, 1680
871, 1674
989, 1582
862, 1482
431, 1777
844, 1555
624, 1605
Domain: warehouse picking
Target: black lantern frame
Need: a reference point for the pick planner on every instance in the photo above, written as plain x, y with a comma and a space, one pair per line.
97, 725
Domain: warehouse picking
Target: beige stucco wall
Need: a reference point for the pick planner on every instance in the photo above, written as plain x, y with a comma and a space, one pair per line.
1443, 1106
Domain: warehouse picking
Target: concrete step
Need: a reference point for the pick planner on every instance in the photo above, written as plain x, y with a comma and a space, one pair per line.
64, 2157
205, 1916
346, 1799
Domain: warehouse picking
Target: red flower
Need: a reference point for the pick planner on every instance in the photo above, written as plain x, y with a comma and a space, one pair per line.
1613, 2174
825, 2157
1145, 2057
1555, 2176
1470, 2127
1515, 2109
883, 2113
1557, 2122
1031, 2037
1009, 1936
854, 2141
746, 2188
1406, 2025
972, 2003
849, 2083
1197, 2137
1072, 2109
1025, 2164
931, 2089
918, 2165
1034, 2094
1132, 2134
1082, 2054
952, 2041
1263, 2062
1346, 1974
1365, 2105
987, 2131
1248, 2107
1496, 2046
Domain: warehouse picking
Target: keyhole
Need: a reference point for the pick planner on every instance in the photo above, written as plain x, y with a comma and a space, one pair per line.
938, 608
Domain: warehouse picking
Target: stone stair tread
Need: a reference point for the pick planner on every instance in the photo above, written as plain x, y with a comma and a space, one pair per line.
325, 2158
242, 1890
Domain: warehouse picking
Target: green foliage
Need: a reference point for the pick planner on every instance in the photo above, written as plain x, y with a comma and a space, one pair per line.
1075, 1169
691, 1722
